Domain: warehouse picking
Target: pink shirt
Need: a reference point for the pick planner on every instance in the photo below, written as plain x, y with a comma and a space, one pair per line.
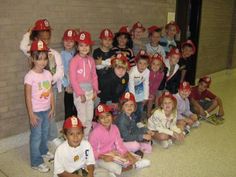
155, 79
41, 85
104, 141
83, 70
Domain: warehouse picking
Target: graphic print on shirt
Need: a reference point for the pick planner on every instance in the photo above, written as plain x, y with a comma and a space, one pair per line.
139, 87
52, 63
45, 86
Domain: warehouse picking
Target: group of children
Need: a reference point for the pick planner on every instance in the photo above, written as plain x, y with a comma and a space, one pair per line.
122, 78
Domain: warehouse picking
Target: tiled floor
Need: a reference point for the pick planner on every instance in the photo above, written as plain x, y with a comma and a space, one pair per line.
209, 151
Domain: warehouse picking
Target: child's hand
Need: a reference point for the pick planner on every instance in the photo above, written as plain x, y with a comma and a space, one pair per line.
151, 97
107, 158
150, 133
69, 89
147, 137
145, 102
130, 158
34, 120
83, 98
94, 96
98, 61
179, 136
52, 113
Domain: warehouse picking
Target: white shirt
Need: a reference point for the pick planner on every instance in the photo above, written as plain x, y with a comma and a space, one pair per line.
153, 50
71, 159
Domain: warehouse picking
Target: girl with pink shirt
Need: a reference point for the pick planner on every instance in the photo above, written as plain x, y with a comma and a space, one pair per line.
83, 77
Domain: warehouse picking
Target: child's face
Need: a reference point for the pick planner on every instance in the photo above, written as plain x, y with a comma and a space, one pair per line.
187, 51
171, 31
69, 44
156, 65
105, 119
174, 59
74, 136
202, 86
83, 49
128, 107
122, 41
167, 105
138, 33
44, 36
155, 38
142, 65
107, 42
120, 71
41, 62
184, 93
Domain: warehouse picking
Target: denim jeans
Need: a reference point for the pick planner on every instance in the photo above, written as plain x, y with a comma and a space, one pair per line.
39, 138
139, 112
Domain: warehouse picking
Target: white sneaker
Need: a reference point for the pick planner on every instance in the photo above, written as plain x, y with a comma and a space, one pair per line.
170, 142
142, 163
196, 124
48, 156
140, 125
188, 127
164, 144
43, 168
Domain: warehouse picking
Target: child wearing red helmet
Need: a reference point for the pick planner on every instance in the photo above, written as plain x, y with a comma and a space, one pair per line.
83, 78
163, 121
203, 101
40, 104
69, 51
75, 156
108, 147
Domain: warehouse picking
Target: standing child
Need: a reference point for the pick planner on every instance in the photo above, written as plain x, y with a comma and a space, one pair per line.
40, 104
137, 32
185, 118
74, 158
108, 146
153, 47
203, 101
168, 41
84, 81
123, 44
155, 78
69, 43
135, 138
163, 121
139, 82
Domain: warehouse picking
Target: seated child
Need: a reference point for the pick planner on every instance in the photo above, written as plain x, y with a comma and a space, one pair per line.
203, 101
163, 121
135, 138
185, 118
109, 150
74, 158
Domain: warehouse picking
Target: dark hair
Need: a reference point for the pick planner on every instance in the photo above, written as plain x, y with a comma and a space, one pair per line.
34, 34
157, 31
187, 45
127, 36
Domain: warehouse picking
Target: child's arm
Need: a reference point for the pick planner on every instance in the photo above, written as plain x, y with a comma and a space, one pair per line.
59, 68
183, 73
25, 44
131, 82
66, 174
146, 85
94, 79
52, 111
221, 109
90, 169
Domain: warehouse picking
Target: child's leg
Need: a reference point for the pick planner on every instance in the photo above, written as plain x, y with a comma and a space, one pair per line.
44, 134
160, 136
146, 147
69, 105
150, 105
132, 146
110, 166
89, 116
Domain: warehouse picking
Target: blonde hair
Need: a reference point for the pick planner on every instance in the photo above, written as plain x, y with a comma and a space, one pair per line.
120, 64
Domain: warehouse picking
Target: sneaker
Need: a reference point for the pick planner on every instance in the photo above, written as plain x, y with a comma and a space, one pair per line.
187, 127
164, 144
139, 153
196, 124
48, 156
142, 163
112, 174
186, 131
42, 168
140, 125
170, 142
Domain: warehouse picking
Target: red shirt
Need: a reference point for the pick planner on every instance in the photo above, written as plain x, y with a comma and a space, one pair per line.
196, 95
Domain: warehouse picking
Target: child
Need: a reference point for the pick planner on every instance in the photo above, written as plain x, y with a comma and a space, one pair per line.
123, 44
155, 78
203, 101
163, 121
135, 138
42, 31
108, 146
69, 42
137, 32
84, 81
40, 104
168, 41
186, 67
75, 156
173, 74
139, 82
185, 118
153, 47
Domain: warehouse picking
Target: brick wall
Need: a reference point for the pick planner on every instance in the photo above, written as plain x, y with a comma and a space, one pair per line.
92, 15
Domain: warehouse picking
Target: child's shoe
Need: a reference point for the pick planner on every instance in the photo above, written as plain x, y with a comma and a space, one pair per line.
139, 153
142, 163
112, 175
140, 125
164, 144
196, 124
48, 156
170, 142
186, 131
42, 168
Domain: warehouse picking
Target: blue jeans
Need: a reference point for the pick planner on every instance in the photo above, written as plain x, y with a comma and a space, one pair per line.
39, 139
139, 112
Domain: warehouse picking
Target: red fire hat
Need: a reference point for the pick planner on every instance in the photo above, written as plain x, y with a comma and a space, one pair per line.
102, 108
189, 42
153, 28
127, 96
41, 25
142, 54
206, 79
174, 24
122, 57
106, 33
70, 34
184, 86
72, 122
38, 45
124, 29
158, 57
138, 25
174, 51
84, 37
166, 94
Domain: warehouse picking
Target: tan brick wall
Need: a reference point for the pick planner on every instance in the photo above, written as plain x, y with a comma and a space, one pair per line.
92, 15
214, 36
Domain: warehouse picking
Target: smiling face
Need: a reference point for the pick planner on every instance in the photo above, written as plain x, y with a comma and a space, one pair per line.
174, 59
155, 38
156, 65
142, 65
105, 119
122, 41
187, 51
120, 71
171, 31
168, 105
128, 107
41, 62
138, 33
45, 36
107, 42
74, 136
69, 44
83, 49
202, 86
